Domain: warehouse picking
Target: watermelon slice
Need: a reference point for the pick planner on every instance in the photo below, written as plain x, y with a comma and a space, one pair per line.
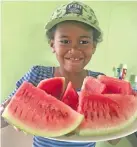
38, 113
93, 85
70, 97
115, 85
54, 86
105, 114
129, 108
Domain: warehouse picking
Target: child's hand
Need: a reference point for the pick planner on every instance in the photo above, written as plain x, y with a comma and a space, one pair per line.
3, 122
2, 107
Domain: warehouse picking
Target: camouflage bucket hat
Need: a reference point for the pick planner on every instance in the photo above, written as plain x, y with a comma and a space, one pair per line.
77, 11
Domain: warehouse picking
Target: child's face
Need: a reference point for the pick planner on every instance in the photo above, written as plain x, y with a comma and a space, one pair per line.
73, 45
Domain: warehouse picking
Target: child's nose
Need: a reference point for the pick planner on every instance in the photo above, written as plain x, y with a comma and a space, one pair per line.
75, 47
74, 51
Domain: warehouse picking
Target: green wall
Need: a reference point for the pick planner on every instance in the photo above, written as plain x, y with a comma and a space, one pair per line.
24, 43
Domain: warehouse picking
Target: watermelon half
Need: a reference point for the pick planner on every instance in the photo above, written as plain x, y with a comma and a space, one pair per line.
54, 86
105, 114
115, 85
38, 113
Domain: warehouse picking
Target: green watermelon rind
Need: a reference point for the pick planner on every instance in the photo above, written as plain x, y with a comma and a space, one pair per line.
14, 122
106, 131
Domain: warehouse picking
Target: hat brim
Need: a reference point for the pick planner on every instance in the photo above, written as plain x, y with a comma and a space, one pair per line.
55, 21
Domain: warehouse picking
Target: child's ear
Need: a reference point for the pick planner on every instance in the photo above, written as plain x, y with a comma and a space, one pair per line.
52, 45
94, 47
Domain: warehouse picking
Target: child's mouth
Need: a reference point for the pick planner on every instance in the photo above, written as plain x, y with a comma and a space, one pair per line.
74, 59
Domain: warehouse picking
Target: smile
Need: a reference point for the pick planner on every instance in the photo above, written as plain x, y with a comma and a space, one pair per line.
74, 59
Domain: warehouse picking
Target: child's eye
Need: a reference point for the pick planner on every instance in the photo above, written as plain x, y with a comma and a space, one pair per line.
65, 41
84, 42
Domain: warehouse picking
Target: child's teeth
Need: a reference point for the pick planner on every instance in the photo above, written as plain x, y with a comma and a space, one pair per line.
74, 59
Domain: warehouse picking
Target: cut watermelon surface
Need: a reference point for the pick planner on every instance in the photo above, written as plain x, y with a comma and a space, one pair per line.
38, 113
54, 86
105, 114
70, 97
93, 85
115, 85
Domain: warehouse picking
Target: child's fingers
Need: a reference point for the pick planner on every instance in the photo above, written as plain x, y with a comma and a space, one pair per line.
25, 133
5, 103
18, 130
1, 109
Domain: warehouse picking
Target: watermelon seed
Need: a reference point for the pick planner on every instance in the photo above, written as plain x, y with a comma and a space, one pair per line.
104, 115
20, 113
97, 114
65, 114
47, 118
103, 111
40, 105
33, 118
49, 106
59, 114
44, 113
86, 114
52, 117
25, 93
21, 93
15, 109
111, 114
94, 105
91, 116
27, 97
53, 111
114, 110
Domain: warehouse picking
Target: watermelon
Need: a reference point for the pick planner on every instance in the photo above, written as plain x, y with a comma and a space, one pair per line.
70, 96
54, 86
115, 85
93, 85
105, 113
129, 108
134, 93
36, 112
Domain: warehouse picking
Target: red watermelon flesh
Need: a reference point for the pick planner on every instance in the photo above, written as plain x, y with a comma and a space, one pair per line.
128, 104
38, 113
115, 85
70, 96
134, 93
54, 86
105, 114
93, 85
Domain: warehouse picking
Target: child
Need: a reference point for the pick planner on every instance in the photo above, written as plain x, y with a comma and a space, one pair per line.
73, 33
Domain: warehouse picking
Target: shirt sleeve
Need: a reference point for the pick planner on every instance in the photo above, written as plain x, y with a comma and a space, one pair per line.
31, 76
